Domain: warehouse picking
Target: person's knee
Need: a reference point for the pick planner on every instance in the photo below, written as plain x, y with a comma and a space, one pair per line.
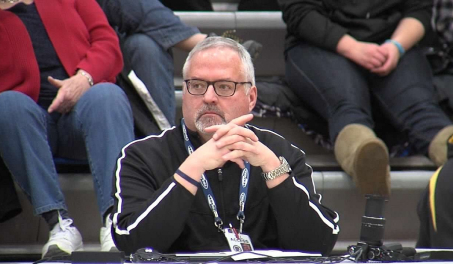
107, 94
14, 103
13, 99
141, 43
19, 114
104, 99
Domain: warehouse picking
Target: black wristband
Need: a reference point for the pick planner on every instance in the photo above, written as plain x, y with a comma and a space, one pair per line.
187, 178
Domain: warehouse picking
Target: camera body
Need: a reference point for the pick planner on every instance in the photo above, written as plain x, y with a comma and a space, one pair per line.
364, 252
372, 230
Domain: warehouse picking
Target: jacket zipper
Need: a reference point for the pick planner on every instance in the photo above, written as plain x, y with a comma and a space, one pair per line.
220, 175
220, 178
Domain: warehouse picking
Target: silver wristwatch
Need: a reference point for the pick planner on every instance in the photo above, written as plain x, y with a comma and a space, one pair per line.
282, 169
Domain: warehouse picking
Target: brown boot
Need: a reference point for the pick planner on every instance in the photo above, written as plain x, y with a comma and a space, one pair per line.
365, 158
437, 150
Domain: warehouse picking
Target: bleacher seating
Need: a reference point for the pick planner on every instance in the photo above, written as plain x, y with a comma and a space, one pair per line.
409, 175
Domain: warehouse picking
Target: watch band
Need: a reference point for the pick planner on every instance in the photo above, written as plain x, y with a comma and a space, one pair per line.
86, 75
282, 169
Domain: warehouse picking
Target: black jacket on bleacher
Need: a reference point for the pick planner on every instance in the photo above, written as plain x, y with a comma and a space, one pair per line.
153, 210
323, 22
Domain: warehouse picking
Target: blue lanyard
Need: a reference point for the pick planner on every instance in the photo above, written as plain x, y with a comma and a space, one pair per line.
243, 187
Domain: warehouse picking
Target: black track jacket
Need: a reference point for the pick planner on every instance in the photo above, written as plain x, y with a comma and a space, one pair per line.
153, 210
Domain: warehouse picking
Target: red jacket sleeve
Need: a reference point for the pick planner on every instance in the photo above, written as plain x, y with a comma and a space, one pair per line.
103, 60
18, 67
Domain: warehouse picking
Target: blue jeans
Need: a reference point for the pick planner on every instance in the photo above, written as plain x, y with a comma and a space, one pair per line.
154, 67
96, 129
149, 30
340, 91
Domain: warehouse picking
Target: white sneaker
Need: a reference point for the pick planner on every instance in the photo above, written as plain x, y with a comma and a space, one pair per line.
106, 236
63, 239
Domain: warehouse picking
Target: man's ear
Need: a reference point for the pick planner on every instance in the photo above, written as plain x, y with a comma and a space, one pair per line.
253, 96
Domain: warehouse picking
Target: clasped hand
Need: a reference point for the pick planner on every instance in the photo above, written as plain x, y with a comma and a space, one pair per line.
233, 142
379, 59
69, 92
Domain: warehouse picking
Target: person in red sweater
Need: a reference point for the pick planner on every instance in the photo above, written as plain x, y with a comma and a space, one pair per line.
57, 99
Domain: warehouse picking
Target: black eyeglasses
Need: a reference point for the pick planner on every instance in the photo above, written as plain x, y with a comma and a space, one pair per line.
221, 88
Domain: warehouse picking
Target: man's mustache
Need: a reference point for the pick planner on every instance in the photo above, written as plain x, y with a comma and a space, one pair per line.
209, 109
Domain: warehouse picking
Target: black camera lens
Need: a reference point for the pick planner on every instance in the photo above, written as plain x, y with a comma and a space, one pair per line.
373, 222
374, 205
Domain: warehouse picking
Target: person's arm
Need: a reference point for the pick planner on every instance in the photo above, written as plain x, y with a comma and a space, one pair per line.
303, 223
409, 32
307, 20
103, 60
150, 207
189, 43
213, 154
152, 202
415, 22
151, 18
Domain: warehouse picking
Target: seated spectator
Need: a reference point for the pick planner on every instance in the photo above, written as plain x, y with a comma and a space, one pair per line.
440, 53
342, 57
162, 181
57, 99
435, 209
150, 30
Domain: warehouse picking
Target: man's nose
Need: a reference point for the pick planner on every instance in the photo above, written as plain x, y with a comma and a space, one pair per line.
210, 94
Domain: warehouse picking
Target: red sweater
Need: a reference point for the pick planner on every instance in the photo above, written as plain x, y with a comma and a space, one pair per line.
80, 34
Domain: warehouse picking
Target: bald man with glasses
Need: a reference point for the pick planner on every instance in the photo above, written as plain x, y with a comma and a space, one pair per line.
214, 182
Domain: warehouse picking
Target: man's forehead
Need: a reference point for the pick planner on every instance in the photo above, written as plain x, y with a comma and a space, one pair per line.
216, 63
220, 52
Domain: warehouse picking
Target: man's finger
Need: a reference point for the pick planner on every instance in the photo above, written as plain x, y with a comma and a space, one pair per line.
237, 133
55, 82
231, 139
221, 130
242, 120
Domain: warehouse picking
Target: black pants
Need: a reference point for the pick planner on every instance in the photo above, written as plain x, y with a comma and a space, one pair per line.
9, 202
